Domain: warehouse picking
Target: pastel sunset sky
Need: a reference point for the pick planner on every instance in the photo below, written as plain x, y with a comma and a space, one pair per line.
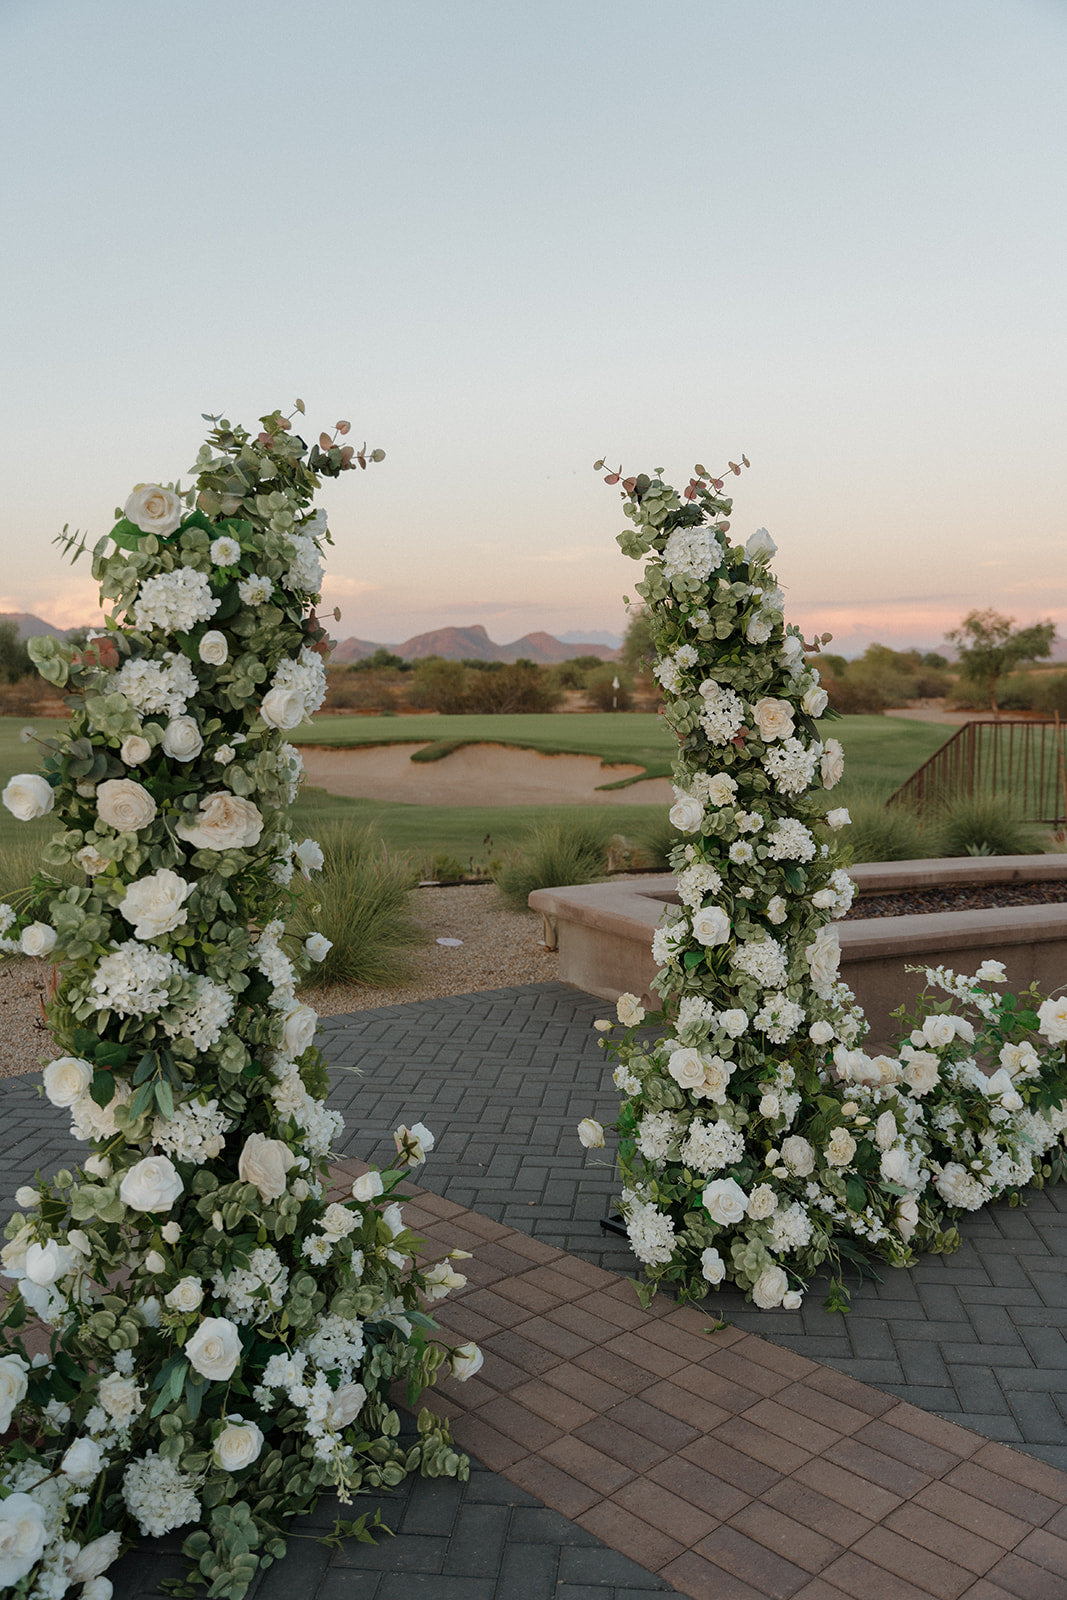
505, 240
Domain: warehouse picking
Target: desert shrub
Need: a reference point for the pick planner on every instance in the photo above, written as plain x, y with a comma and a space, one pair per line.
553, 854
882, 678
438, 685
350, 689
599, 688
518, 686
885, 833
361, 901
985, 825
1050, 693
657, 838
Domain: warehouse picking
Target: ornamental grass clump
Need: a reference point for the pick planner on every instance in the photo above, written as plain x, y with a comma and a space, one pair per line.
222, 1340
568, 851
985, 825
878, 832
355, 915
757, 1139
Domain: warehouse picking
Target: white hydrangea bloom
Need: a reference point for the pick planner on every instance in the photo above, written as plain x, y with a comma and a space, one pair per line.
174, 602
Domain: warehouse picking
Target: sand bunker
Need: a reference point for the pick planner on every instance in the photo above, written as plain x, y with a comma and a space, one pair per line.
475, 775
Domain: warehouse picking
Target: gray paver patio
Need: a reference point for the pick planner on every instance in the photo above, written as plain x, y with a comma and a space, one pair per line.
502, 1078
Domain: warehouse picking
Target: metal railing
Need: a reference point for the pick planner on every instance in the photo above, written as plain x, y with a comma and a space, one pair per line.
1023, 761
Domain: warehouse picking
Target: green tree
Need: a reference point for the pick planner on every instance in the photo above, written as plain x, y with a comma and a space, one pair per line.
989, 645
638, 651
15, 662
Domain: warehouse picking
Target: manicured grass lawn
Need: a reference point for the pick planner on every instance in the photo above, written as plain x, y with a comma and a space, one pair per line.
880, 752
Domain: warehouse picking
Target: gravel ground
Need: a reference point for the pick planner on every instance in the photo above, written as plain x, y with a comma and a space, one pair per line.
963, 898
500, 948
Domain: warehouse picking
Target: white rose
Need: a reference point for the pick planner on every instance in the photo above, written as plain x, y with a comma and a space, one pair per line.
1021, 1060
82, 1461
1000, 1087
223, 822
156, 905
712, 1265
814, 701
441, 1279
318, 946
725, 1201
90, 860
838, 817
792, 1300
27, 796
885, 1131
590, 1134
414, 1143
991, 972
152, 1184
153, 510
686, 1066
171, 1232
124, 805
465, 1361
760, 546
94, 1558
238, 1445
777, 911
134, 750
894, 1165
769, 1288
921, 1071
120, 1397
820, 1033
38, 939
345, 1405
770, 1106
309, 857
154, 1262
215, 1348
686, 814
798, 1155
721, 789
938, 1031
774, 718
831, 763
907, 1218
629, 1010
265, 1163
181, 739
299, 1030
711, 925
339, 1220
27, 1198
186, 1295
841, 1148
1052, 1019
823, 956
283, 708
13, 1385
23, 1535
368, 1186
47, 1263
213, 648
758, 630
734, 1022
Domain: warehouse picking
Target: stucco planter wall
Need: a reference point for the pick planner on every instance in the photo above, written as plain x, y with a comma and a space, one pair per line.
604, 932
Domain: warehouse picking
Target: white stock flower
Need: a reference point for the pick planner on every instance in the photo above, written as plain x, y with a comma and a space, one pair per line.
156, 905
38, 940
591, 1134
223, 822
265, 1163
153, 1184
238, 1445
153, 509
28, 796
182, 740
125, 805
725, 1201
721, 788
840, 1148
215, 1348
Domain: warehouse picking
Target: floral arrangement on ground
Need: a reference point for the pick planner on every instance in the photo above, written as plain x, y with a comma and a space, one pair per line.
758, 1141
221, 1341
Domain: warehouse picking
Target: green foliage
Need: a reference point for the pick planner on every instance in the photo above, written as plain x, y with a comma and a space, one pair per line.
566, 850
361, 901
15, 660
881, 678
601, 689
886, 833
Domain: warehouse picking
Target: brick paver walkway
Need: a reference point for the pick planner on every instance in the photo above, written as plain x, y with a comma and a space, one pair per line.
623, 1457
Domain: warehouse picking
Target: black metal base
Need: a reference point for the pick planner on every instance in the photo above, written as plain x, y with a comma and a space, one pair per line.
614, 1224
